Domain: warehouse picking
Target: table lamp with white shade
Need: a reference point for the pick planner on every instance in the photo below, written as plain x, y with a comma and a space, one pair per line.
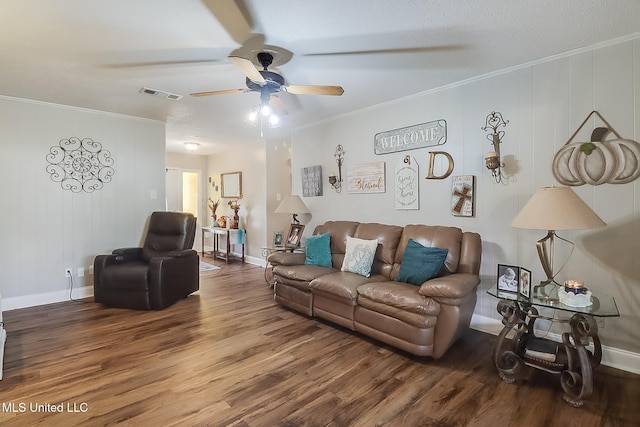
292, 205
551, 209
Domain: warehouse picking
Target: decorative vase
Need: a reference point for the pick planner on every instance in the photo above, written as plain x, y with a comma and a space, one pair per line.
236, 219
213, 220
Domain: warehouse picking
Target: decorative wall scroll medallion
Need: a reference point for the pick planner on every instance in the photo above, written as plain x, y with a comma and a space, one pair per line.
366, 178
80, 165
598, 161
406, 184
418, 136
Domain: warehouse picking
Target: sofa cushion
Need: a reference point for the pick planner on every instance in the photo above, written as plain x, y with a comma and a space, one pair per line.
341, 285
359, 255
302, 273
388, 237
420, 263
432, 236
399, 295
318, 250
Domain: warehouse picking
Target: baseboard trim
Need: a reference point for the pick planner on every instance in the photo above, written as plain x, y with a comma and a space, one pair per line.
611, 356
25, 301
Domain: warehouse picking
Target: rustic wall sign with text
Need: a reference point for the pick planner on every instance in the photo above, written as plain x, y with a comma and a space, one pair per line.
409, 138
406, 184
366, 178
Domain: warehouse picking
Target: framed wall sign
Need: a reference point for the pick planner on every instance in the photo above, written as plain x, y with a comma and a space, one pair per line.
312, 181
366, 178
407, 196
409, 138
462, 195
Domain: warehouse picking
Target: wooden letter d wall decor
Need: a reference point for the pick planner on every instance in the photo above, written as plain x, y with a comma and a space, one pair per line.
432, 157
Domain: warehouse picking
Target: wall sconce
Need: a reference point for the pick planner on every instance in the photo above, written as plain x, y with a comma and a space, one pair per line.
336, 182
492, 159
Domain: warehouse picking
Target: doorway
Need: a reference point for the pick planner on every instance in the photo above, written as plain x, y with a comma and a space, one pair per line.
183, 194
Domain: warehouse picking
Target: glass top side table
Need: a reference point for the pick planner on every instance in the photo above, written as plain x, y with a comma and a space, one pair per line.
570, 359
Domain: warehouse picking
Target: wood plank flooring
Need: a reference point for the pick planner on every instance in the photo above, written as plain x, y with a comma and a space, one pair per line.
230, 356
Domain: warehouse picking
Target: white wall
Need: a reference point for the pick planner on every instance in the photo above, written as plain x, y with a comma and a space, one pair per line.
278, 173
45, 229
252, 164
191, 162
544, 102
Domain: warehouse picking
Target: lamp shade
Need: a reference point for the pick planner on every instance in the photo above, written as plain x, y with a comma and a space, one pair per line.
556, 208
292, 205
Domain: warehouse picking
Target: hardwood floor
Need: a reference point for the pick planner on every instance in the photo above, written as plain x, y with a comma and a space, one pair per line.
230, 356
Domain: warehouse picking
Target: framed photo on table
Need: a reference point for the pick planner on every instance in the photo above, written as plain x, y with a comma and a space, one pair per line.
524, 284
278, 239
508, 278
294, 236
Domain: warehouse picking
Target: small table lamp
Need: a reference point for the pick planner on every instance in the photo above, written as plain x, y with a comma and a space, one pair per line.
292, 205
551, 209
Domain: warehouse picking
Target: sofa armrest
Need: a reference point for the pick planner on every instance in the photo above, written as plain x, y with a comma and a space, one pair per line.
287, 258
450, 289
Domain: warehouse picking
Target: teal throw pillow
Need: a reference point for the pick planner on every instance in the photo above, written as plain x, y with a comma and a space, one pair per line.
318, 250
420, 263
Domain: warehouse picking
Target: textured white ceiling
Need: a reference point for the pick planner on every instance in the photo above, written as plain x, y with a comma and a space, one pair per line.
99, 53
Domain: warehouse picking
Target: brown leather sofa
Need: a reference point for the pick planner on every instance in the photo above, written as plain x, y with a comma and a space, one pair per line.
155, 276
424, 320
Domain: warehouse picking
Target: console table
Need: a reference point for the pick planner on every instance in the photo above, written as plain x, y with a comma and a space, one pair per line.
233, 236
573, 361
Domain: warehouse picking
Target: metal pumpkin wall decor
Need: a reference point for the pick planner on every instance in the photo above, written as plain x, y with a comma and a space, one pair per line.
598, 161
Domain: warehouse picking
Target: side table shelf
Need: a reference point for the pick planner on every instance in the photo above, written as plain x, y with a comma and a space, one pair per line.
232, 237
572, 361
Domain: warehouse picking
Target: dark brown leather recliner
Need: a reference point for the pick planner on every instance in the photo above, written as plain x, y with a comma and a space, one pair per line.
156, 275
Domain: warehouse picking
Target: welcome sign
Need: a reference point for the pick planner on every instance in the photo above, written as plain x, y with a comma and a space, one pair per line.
412, 137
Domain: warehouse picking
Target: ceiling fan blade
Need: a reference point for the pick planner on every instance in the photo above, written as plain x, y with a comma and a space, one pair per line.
314, 90
248, 69
422, 49
219, 92
233, 17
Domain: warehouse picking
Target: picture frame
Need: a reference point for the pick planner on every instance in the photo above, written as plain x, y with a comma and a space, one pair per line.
294, 236
508, 278
278, 239
524, 283
312, 181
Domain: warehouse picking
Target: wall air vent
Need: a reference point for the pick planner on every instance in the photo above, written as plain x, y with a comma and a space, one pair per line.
160, 93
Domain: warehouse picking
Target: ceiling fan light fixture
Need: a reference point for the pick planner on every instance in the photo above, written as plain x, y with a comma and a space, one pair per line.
274, 121
263, 114
252, 116
266, 110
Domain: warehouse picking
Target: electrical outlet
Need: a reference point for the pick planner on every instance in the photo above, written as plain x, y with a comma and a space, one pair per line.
80, 271
90, 269
67, 272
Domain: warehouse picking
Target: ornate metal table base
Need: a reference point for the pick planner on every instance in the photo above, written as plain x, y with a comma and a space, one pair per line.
574, 362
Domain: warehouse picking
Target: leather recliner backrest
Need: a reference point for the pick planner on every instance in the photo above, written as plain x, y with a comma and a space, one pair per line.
168, 231
432, 236
339, 231
388, 237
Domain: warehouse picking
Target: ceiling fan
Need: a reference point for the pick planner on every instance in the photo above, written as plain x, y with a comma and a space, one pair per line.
269, 82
